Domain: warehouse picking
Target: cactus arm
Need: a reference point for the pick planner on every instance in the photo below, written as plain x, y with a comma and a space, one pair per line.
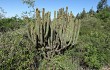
78, 29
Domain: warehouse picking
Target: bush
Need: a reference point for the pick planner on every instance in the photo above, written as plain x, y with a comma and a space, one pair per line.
8, 24
16, 52
94, 43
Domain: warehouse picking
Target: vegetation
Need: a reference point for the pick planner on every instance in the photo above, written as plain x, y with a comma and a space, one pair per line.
67, 42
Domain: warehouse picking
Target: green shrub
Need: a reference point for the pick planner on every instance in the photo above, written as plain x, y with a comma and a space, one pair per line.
8, 24
94, 42
59, 62
15, 51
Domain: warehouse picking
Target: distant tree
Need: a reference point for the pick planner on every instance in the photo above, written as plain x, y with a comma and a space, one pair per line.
2, 13
101, 5
83, 14
103, 11
91, 12
30, 3
104, 14
78, 16
107, 7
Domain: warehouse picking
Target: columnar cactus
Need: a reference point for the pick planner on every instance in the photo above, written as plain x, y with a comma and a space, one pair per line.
56, 35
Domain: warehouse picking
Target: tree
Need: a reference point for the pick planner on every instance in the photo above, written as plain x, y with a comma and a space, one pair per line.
83, 14
2, 13
78, 16
101, 5
91, 12
104, 15
103, 11
30, 3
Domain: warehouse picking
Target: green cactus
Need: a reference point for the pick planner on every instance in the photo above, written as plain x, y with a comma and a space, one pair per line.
54, 35
54, 14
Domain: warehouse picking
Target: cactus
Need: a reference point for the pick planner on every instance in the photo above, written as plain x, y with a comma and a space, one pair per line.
56, 35
54, 14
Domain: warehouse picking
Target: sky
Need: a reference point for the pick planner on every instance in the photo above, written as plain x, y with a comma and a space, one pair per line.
13, 7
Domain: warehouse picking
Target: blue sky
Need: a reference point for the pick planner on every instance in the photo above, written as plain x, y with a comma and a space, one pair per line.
13, 7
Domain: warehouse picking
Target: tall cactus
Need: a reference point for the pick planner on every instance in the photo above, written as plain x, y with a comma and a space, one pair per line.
56, 35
